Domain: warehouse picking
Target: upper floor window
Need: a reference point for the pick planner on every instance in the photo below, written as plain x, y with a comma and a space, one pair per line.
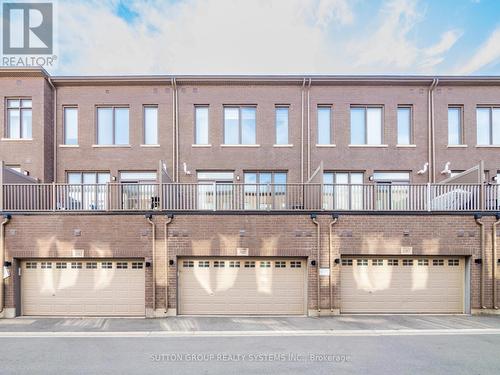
201, 125
265, 190
150, 125
488, 126
19, 119
281, 125
113, 126
366, 125
70, 126
404, 125
343, 190
324, 125
455, 131
239, 125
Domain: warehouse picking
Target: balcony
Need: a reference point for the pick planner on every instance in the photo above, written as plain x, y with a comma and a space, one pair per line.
34, 197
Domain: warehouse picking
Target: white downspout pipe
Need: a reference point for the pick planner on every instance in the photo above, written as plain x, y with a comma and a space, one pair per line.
309, 129
167, 222
302, 132
431, 138
54, 126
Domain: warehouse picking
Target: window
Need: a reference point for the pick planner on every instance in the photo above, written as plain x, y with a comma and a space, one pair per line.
201, 125
150, 125
91, 265
92, 195
121, 265
362, 262
347, 262
392, 190
76, 265
377, 262
112, 126
488, 126
203, 264
324, 125
219, 264
423, 262
265, 264
31, 265
265, 190
407, 262
250, 264
46, 265
19, 119
137, 265
239, 125
438, 262
70, 126
107, 265
453, 262
455, 131
281, 125
343, 190
295, 264
280, 264
366, 125
404, 125
215, 188
61, 265
188, 264
392, 262
234, 264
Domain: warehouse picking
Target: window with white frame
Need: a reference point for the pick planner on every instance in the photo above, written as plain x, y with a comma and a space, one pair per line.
201, 125
366, 125
139, 190
488, 126
150, 125
265, 190
70, 126
19, 119
391, 190
324, 125
281, 125
404, 125
215, 190
87, 190
113, 126
343, 190
455, 130
240, 125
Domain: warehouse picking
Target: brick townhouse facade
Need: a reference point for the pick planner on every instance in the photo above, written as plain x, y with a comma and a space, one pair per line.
251, 195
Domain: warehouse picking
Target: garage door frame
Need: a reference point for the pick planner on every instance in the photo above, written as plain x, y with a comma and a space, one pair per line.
466, 277
305, 261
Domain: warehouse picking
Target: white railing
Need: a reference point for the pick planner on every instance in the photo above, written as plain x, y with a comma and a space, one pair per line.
250, 197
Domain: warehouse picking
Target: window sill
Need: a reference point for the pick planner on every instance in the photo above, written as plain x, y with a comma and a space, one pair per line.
283, 146
111, 146
488, 146
326, 146
368, 146
239, 146
406, 146
69, 146
457, 146
200, 145
150, 146
17, 139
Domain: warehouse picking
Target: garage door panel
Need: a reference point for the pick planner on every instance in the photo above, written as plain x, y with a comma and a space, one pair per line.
209, 289
86, 287
369, 285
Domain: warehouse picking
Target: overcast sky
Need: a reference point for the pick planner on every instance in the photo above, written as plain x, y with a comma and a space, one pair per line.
281, 36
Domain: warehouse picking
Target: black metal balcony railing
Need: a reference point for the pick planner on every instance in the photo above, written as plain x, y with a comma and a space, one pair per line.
241, 197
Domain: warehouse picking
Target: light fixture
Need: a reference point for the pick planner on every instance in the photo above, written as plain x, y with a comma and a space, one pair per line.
370, 178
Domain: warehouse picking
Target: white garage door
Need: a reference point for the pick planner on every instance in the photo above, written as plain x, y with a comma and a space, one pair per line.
242, 286
83, 287
402, 285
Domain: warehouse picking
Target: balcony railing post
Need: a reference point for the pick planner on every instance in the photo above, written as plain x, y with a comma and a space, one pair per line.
54, 197
214, 185
482, 197
429, 196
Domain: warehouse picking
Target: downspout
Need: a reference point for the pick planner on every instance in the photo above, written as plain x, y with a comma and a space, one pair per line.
318, 244
494, 261
153, 227
176, 110
309, 129
170, 217
174, 89
302, 132
332, 223
431, 138
6, 219
477, 218
54, 125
